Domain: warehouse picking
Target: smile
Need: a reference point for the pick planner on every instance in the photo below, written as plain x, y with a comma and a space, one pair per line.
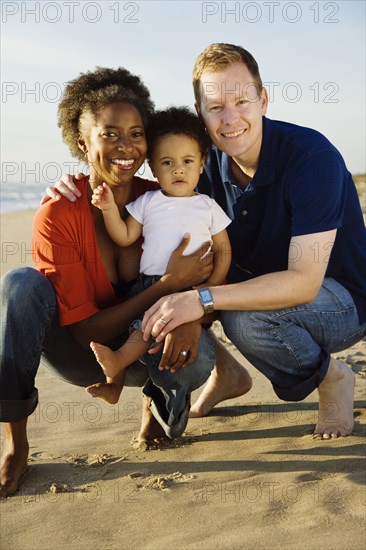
122, 162
233, 134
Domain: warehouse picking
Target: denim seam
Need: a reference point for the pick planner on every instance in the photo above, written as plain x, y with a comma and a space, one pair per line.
309, 309
288, 348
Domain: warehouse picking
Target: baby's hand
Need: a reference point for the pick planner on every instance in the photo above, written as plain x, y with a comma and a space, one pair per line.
102, 197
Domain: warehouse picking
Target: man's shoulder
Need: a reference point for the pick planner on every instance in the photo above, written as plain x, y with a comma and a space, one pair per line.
301, 138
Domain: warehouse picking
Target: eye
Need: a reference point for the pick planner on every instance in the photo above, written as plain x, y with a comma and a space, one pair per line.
188, 161
214, 108
166, 163
137, 134
109, 134
243, 101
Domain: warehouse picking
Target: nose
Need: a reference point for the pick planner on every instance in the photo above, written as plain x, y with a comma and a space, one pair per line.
124, 144
230, 114
178, 169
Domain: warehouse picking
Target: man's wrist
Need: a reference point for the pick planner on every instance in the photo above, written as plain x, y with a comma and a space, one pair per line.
206, 299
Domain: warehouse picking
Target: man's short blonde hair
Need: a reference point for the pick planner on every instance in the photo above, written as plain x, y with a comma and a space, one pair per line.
219, 56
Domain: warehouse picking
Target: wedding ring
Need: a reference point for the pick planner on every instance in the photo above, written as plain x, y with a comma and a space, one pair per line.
163, 321
185, 353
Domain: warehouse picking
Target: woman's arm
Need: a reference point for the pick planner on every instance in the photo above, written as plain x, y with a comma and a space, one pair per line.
182, 271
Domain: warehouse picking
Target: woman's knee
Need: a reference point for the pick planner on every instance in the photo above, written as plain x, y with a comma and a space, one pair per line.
24, 288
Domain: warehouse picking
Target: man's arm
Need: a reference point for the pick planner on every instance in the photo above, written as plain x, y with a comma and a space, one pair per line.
307, 263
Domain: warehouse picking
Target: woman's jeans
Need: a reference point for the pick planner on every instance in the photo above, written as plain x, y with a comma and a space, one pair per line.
31, 332
292, 346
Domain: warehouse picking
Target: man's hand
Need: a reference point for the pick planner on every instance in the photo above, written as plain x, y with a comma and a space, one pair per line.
65, 187
170, 312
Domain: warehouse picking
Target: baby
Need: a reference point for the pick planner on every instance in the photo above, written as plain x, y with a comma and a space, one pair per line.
177, 147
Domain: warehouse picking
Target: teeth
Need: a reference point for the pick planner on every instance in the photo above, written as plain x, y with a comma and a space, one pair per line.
233, 134
123, 162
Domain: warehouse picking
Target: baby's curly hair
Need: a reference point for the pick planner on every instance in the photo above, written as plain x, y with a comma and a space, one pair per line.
91, 91
177, 121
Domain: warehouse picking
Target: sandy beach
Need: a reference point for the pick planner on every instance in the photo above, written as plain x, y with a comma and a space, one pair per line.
249, 476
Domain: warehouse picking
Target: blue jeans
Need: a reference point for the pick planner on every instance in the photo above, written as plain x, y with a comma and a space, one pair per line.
31, 332
292, 347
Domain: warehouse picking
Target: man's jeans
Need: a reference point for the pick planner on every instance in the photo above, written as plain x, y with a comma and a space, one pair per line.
31, 332
292, 346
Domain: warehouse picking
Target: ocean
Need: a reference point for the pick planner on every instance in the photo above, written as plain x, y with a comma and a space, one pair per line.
15, 197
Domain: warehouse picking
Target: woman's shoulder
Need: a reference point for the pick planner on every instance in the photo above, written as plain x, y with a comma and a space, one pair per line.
60, 209
142, 185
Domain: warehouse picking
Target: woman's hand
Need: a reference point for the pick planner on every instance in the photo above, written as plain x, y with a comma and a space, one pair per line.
65, 187
170, 312
185, 271
180, 347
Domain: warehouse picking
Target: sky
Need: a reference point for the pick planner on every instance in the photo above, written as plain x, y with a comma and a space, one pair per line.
311, 56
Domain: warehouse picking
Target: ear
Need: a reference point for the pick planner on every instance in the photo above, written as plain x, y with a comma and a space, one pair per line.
203, 160
264, 101
82, 145
198, 110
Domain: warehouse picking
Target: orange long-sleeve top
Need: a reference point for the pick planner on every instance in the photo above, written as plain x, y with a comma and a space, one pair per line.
65, 249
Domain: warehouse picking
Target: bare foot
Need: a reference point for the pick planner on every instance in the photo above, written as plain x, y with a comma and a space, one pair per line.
151, 433
336, 392
107, 359
13, 464
106, 391
229, 379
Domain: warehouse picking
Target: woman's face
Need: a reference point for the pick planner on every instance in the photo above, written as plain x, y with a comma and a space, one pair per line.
114, 142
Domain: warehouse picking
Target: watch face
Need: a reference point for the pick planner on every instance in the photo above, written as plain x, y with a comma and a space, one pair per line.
206, 295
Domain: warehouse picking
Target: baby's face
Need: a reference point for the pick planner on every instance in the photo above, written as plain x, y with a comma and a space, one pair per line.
177, 163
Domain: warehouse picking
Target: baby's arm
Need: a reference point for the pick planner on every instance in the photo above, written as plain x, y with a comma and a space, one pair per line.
123, 232
221, 259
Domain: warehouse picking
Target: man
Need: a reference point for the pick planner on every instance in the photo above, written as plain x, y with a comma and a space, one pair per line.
296, 288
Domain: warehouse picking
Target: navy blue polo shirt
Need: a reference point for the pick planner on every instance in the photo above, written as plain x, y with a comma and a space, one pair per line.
301, 186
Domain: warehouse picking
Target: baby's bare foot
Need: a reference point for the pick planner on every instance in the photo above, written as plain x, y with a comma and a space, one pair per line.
108, 392
107, 359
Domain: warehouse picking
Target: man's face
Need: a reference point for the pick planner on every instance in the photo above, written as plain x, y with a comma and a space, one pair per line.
232, 112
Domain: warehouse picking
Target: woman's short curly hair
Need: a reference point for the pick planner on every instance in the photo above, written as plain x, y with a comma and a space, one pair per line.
177, 121
91, 91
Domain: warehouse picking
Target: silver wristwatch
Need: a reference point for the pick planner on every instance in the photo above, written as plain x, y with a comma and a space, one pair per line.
206, 300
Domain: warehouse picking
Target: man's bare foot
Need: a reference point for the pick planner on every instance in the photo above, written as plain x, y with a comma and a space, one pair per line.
229, 379
108, 359
151, 433
13, 464
106, 391
336, 393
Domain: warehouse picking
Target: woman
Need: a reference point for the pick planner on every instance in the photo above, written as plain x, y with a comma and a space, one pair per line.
76, 294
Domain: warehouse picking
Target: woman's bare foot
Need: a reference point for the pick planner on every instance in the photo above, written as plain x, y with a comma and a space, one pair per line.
336, 393
13, 464
229, 379
151, 433
106, 391
108, 359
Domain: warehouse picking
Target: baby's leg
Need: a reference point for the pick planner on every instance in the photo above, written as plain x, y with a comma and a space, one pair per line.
114, 365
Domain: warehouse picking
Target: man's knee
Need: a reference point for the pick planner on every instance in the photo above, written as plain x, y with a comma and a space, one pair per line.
247, 330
